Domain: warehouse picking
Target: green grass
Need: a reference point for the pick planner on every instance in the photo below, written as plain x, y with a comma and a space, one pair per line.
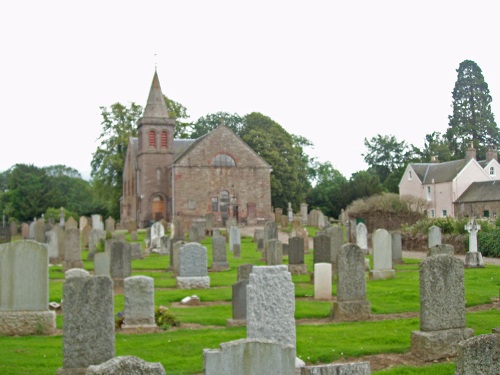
180, 350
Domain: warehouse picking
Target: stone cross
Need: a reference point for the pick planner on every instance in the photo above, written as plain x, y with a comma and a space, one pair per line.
472, 227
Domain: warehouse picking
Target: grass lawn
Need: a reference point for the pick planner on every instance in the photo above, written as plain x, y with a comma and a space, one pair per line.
180, 350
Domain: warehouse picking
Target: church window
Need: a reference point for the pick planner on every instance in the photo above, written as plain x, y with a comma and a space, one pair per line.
215, 204
158, 174
164, 139
224, 201
152, 138
223, 160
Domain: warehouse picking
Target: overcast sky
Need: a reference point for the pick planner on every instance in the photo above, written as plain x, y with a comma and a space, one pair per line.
334, 72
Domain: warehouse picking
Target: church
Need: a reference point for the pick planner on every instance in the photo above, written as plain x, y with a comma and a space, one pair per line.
215, 174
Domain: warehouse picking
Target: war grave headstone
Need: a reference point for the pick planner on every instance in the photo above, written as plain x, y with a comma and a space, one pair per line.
239, 296
473, 258
296, 265
323, 281
442, 309
382, 256
120, 262
219, 261
139, 307
351, 304
24, 290
109, 224
362, 237
274, 252
89, 324
72, 250
479, 355
397, 247
95, 237
434, 236
193, 273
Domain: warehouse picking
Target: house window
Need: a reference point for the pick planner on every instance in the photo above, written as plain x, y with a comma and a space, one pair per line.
410, 177
215, 204
445, 213
486, 213
433, 213
428, 193
152, 138
223, 160
164, 139
492, 171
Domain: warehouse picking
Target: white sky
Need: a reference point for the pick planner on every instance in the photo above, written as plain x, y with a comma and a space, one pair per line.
334, 72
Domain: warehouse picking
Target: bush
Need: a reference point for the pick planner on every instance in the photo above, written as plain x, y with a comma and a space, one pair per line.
448, 225
488, 243
165, 319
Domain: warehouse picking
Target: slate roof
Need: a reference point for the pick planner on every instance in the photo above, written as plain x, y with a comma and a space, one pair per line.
440, 172
483, 191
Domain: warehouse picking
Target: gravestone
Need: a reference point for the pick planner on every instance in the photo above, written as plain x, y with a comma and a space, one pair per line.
479, 355
355, 368
274, 252
96, 236
442, 309
13, 228
40, 231
443, 249
296, 264
139, 307
165, 242
109, 224
136, 251
24, 290
118, 236
314, 219
193, 267
120, 261
219, 262
86, 236
271, 305
97, 222
157, 232
303, 213
126, 365
304, 234
244, 271
70, 224
290, 212
131, 226
382, 256
53, 246
284, 221
174, 257
397, 248
72, 250
323, 281
434, 236
197, 231
239, 304
258, 236
177, 233
284, 247
234, 238
31, 235
84, 221
102, 264
89, 324
473, 258
250, 357
209, 223
231, 222
270, 231
362, 237
322, 249
278, 212
336, 235
25, 231
133, 235
351, 304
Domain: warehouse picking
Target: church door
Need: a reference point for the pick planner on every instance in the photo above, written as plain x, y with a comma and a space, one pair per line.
158, 208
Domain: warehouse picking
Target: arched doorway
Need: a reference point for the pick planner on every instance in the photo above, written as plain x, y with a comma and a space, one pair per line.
158, 208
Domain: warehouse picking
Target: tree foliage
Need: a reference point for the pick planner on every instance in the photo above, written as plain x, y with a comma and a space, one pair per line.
435, 146
206, 124
472, 119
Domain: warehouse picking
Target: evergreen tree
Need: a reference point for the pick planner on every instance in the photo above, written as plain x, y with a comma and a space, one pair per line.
472, 119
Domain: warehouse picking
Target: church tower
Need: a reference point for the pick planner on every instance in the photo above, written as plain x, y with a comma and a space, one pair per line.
155, 154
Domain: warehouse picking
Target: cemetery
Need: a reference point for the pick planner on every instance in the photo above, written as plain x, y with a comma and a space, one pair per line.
235, 302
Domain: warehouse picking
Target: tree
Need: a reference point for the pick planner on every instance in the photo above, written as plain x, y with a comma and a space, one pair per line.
276, 146
364, 184
179, 112
435, 146
206, 124
386, 155
472, 119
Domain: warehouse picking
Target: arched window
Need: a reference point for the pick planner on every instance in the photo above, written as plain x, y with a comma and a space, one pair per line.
224, 201
163, 139
152, 138
223, 160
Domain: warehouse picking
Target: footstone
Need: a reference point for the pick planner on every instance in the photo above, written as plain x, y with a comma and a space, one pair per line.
479, 355
249, 357
382, 274
433, 345
126, 365
358, 368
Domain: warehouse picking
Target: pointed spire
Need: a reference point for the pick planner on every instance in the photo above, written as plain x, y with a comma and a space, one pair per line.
156, 106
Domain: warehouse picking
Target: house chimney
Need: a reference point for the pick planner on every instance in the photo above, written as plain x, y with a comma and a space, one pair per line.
434, 159
470, 153
491, 154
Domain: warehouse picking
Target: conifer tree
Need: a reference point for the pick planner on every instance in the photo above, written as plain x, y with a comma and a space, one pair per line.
472, 119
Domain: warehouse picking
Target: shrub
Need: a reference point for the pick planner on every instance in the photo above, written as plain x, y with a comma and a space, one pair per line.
165, 319
488, 243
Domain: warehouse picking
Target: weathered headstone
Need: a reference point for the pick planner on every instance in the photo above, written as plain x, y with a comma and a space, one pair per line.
157, 232
109, 225
165, 245
209, 223
40, 231
174, 257
96, 236
24, 290
290, 212
72, 250
102, 264
136, 251
131, 226
397, 247
443, 249
271, 305
323, 281
97, 222
270, 231
322, 249
258, 236
234, 237
304, 234
84, 221
303, 213
274, 252
336, 235
126, 365
31, 235
382, 256
53, 246
219, 262
197, 231
362, 237
13, 228
120, 261
355, 368
278, 212
434, 236
70, 224
284, 221
89, 325
139, 307
296, 264
25, 231
244, 271
479, 355
442, 309
473, 258
239, 304
193, 272
351, 304
86, 236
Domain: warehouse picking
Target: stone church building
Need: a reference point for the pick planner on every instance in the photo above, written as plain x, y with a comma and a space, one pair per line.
216, 174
